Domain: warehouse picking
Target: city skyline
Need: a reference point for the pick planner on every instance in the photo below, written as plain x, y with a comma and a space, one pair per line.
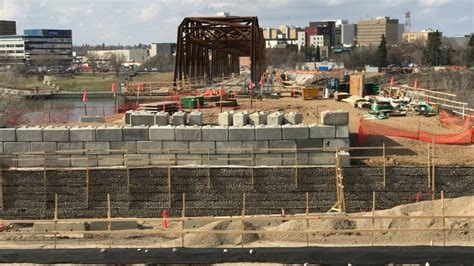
129, 22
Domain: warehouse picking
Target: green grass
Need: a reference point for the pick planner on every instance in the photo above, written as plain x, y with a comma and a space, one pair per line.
82, 81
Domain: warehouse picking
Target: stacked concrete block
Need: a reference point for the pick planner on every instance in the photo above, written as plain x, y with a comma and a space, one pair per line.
176, 147
189, 133
335, 118
128, 115
276, 119
321, 131
162, 132
195, 119
268, 132
57, 134
240, 119
241, 159
92, 119
180, 118
142, 119
163, 159
322, 158
30, 161
58, 161
268, 159
122, 147
109, 134
334, 144
70, 148
228, 147
202, 147
294, 118
110, 160
309, 145
295, 132
150, 146
84, 134
254, 147
342, 131
282, 146
225, 118
16, 147
3, 121
258, 118
244, 133
29, 134
299, 158
84, 160
137, 159
7, 134
188, 159
45, 147
135, 133
162, 118
97, 147
215, 133
216, 160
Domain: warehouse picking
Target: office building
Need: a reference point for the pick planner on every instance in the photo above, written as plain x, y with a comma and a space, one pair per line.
126, 55
370, 31
38, 47
48, 46
348, 34
7, 27
165, 50
421, 36
281, 37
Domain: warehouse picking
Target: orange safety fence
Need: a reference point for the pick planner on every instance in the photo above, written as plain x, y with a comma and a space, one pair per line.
454, 122
369, 128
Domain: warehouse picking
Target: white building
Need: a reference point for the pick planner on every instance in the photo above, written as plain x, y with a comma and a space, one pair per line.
128, 55
301, 39
319, 40
12, 49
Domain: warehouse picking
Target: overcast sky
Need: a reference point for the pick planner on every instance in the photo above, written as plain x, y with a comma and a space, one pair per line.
146, 21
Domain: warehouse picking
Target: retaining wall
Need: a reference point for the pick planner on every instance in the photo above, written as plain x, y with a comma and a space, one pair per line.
217, 191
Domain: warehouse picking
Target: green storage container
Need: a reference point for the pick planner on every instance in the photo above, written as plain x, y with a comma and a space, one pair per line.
191, 101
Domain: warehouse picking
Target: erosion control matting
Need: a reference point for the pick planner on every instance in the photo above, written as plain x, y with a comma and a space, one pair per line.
354, 255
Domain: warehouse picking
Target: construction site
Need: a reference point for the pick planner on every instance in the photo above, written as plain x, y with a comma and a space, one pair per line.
234, 164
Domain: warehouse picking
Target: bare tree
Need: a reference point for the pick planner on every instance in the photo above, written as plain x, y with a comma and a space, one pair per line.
116, 60
92, 59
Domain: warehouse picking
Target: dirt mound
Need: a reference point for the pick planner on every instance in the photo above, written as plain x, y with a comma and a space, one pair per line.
212, 240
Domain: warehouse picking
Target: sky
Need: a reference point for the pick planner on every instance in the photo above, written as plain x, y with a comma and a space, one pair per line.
129, 22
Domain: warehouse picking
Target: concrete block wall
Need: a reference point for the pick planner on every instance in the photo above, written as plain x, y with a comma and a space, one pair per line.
143, 145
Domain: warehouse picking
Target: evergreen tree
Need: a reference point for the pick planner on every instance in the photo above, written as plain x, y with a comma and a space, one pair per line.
432, 54
318, 54
382, 53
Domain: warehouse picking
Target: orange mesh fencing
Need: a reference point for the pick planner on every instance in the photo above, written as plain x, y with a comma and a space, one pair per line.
368, 128
454, 122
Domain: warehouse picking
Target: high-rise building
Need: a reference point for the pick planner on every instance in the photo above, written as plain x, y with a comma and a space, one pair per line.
48, 45
7, 27
370, 31
327, 28
282, 36
348, 34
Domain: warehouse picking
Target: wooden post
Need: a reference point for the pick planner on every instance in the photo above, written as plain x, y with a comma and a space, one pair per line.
433, 175
183, 215
429, 165
45, 183
307, 219
243, 216
1, 185
444, 220
296, 166
55, 218
384, 164
208, 169
373, 217
252, 169
169, 187
109, 223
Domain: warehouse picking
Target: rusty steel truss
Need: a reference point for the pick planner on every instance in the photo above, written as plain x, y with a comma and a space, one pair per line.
212, 46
